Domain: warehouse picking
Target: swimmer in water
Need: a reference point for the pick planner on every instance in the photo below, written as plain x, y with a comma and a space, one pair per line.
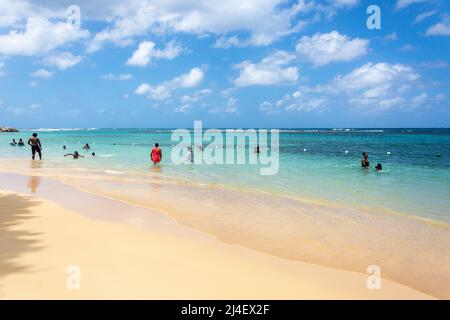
378, 167
86, 146
257, 149
13, 142
93, 154
75, 155
21, 144
365, 160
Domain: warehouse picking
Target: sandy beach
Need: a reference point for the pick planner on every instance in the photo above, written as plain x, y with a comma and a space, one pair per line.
40, 240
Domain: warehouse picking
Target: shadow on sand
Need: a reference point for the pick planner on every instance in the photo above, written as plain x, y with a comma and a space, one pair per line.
14, 209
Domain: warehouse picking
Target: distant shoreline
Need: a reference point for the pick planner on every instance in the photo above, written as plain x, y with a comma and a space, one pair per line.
8, 129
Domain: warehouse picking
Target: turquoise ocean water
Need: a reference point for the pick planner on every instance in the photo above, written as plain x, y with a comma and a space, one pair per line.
318, 164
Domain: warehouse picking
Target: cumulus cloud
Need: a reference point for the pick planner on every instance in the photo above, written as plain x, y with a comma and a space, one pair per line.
222, 18
63, 60
42, 73
164, 90
146, 52
321, 49
271, 70
374, 87
39, 36
373, 75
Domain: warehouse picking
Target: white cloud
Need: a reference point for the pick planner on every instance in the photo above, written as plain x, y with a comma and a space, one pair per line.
424, 15
189, 80
202, 17
374, 87
419, 100
406, 3
117, 77
378, 86
146, 52
20, 110
39, 36
391, 36
439, 29
42, 73
196, 96
271, 70
321, 49
164, 91
372, 75
228, 42
345, 3
63, 60
142, 89
232, 106
183, 109
391, 102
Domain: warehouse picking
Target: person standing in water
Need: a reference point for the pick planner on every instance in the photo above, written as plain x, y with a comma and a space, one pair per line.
36, 146
156, 154
365, 160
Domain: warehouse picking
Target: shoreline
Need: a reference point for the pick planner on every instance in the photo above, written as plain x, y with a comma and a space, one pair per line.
322, 240
122, 176
170, 262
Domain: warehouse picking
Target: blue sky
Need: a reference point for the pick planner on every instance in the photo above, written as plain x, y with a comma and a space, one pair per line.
260, 63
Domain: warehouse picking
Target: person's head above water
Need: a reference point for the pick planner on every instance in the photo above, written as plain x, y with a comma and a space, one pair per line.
75, 153
34, 135
93, 154
378, 167
157, 145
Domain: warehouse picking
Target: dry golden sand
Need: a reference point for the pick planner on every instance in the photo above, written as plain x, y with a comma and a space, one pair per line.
39, 239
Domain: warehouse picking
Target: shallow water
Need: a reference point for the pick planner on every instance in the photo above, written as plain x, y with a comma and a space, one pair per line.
316, 164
